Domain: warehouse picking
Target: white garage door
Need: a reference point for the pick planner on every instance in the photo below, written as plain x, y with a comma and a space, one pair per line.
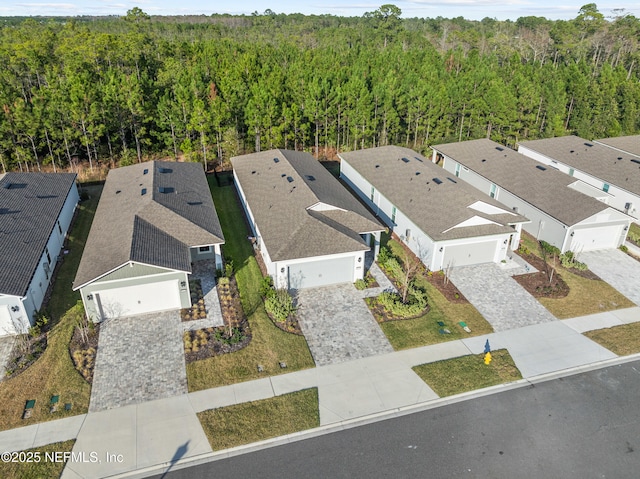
466, 254
602, 237
145, 298
321, 273
6, 325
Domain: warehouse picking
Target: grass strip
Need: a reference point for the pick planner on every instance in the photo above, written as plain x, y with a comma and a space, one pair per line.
47, 464
258, 420
468, 373
622, 340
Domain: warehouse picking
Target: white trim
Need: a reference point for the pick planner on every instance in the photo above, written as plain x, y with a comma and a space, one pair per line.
128, 263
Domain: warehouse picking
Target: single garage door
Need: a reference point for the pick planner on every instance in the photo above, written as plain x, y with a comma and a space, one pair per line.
6, 325
321, 273
601, 237
466, 254
144, 298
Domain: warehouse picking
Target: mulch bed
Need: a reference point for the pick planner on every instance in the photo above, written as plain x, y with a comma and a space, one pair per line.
291, 325
382, 315
448, 290
537, 284
233, 336
198, 309
26, 351
83, 351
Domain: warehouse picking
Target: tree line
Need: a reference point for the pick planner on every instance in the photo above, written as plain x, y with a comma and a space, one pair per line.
120, 89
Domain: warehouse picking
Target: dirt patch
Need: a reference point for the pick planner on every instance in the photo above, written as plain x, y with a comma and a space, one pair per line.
448, 289
83, 350
291, 325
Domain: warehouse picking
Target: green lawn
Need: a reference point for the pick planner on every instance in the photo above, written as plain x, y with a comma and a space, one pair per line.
48, 466
468, 373
622, 340
269, 345
411, 333
258, 420
54, 373
586, 296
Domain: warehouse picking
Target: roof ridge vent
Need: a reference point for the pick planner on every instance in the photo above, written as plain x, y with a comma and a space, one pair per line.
437, 181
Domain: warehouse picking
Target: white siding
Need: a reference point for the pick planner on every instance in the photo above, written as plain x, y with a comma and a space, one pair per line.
619, 196
13, 322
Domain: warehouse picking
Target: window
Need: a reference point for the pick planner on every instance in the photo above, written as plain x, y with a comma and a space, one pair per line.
605, 187
393, 214
571, 171
46, 252
492, 190
373, 192
458, 169
204, 249
59, 228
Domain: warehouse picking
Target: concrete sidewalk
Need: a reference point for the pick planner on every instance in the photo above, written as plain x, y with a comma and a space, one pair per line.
159, 433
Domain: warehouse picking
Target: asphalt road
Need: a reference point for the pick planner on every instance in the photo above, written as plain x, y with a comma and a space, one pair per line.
583, 426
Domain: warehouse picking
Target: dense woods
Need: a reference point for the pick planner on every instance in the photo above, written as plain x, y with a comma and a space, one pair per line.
121, 89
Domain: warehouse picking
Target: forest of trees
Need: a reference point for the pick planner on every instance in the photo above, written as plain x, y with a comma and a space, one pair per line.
122, 89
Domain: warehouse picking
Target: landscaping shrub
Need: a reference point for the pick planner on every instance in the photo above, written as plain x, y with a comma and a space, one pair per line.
549, 248
624, 249
360, 284
392, 303
383, 256
633, 236
280, 305
266, 287
569, 260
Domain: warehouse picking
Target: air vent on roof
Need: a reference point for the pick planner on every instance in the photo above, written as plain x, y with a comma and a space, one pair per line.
571, 151
418, 159
276, 160
143, 191
499, 148
377, 166
483, 160
194, 203
118, 192
619, 157
406, 160
635, 161
166, 189
451, 180
165, 170
15, 186
289, 179
540, 167
283, 175
146, 171
417, 173
253, 172
310, 177
437, 181
588, 144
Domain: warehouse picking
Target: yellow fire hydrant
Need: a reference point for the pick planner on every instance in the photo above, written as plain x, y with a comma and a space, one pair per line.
487, 358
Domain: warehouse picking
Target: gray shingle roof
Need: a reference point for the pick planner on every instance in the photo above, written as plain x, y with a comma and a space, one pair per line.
29, 210
279, 194
605, 163
150, 213
548, 189
628, 144
436, 208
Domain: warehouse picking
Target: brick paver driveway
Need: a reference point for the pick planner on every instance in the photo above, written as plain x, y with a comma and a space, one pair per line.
498, 297
616, 268
140, 358
338, 325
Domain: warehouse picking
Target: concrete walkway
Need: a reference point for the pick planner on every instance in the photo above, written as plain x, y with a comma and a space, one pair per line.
140, 358
498, 297
616, 268
205, 271
152, 436
338, 325
6, 346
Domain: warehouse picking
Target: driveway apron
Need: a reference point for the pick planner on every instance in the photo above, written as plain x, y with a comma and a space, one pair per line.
498, 297
338, 325
140, 358
616, 268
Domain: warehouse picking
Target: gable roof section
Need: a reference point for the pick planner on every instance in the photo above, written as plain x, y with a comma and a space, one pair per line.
626, 144
30, 204
428, 195
603, 162
547, 189
281, 194
150, 213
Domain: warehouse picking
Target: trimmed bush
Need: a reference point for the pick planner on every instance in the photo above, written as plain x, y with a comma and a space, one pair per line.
569, 260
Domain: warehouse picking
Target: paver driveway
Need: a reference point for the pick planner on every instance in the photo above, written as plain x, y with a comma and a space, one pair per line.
338, 325
140, 358
498, 297
616, 268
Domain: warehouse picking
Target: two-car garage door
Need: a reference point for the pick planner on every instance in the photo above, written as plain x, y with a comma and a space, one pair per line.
601, 237
321, 273
140, 299
466, 254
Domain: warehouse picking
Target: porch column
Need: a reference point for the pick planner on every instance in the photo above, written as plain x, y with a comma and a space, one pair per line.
216, 248
376, 245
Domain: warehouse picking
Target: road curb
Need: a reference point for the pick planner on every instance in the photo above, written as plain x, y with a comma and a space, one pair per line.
372, 418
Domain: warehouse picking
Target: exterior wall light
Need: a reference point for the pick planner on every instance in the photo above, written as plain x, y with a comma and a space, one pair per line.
90, 297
